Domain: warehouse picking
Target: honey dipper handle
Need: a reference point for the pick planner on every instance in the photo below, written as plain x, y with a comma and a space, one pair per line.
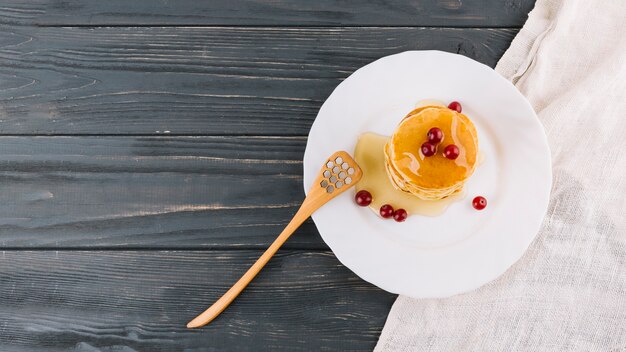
339, 173
307, 208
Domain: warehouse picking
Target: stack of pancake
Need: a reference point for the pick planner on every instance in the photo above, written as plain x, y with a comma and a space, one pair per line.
434, 177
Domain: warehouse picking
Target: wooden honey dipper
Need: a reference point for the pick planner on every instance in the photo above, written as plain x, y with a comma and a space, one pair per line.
339, 173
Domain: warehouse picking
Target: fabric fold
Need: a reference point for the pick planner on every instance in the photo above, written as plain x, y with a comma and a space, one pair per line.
568, 292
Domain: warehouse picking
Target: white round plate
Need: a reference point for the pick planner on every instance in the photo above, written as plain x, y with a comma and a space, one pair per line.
462, 249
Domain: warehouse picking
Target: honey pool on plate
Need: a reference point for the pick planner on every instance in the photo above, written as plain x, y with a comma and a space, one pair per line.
369, 154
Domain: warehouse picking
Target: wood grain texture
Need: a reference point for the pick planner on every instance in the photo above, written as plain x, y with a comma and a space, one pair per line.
316, 197
151, 192
21, 12
450, 13
177, 133
140, 301
206, 81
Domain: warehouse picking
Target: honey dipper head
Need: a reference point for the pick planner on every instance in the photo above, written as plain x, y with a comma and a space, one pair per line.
339, 173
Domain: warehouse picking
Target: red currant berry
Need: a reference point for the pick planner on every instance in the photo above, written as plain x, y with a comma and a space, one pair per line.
400, 215
451, 152
428, 149
479, 203
363, 198
386, 211
435, 135
455, 105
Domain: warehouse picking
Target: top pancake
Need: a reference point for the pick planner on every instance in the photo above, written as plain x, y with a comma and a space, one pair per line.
432, 177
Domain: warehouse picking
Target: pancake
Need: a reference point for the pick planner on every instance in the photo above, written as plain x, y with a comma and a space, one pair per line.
434, 177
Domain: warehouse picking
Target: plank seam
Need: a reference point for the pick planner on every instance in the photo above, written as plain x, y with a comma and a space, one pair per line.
134, 135
259, 26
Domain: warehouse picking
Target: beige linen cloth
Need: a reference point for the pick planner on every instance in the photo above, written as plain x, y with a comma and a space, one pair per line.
568, 292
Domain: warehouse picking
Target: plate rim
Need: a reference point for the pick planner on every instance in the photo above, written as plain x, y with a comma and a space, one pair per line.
542, 137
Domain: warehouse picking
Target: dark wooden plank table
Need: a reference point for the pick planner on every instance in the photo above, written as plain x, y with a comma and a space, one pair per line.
150, 151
